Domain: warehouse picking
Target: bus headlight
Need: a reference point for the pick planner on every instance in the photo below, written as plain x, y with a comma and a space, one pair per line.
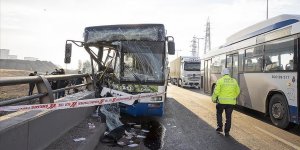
158, 98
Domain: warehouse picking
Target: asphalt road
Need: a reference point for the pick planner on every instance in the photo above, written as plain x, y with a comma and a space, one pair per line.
189, 123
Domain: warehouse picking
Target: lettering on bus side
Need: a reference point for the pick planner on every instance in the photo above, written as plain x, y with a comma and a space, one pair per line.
280, 77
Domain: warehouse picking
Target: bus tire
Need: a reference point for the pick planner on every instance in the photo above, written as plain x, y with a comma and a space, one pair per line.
172, 81
278, 111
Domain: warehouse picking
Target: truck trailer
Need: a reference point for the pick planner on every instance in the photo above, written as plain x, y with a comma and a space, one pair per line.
185, 72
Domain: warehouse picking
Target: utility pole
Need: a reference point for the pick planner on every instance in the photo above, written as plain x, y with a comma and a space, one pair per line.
194, 46
207, 45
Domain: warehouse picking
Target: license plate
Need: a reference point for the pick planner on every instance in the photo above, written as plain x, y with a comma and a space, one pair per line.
153, 105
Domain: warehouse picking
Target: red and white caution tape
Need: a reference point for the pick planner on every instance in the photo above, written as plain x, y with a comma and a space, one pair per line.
80, 103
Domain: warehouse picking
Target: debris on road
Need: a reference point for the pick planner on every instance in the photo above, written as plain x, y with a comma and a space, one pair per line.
145, 131
79, 139
141, 136
91, 125
132, 136
133, 145
137, 126
131, 123
112, 114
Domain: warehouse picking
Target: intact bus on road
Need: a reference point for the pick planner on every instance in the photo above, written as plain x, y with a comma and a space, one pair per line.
135, 62
263, 58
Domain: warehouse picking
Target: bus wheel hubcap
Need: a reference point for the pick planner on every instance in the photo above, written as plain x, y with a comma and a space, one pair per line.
277, 111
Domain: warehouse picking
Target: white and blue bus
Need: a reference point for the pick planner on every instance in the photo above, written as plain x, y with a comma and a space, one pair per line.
263, 58
132, 59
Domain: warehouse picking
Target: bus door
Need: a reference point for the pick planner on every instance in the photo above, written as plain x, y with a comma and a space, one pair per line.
207, 76
232, 64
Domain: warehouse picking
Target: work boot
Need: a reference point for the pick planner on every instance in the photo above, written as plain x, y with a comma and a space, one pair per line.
219, 130
227, 134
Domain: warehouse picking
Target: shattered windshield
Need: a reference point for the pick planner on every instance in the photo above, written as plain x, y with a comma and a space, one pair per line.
192, 66
142, 61
146, 32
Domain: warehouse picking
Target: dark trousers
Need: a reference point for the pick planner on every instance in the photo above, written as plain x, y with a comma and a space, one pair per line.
61, 94
228, 112
31, 87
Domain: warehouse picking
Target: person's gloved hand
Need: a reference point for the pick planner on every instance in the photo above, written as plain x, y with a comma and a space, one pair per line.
214, 99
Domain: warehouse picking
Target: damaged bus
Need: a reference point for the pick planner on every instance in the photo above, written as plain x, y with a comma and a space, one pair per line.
131, 59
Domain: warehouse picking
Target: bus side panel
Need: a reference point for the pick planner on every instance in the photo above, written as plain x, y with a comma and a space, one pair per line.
297, 56
244, 97
256, 86
254, 90
292, 97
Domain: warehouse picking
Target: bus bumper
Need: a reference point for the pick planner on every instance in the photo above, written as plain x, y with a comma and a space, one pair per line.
191, 84
142, 109
294, 115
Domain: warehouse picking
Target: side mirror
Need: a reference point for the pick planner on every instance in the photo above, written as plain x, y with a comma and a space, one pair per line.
68, 53
171, 45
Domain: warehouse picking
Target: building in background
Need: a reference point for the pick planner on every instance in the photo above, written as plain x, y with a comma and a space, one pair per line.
12, 57
4, 53
30, 58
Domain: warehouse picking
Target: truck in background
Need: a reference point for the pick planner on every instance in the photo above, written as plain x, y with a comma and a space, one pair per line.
185, 72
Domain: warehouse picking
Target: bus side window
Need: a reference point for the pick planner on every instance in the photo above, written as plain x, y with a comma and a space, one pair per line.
259, 64
290, 65
249, 65
281, 55
253, 64
241, 60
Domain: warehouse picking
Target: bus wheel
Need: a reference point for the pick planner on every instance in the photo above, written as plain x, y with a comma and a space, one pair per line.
278, 111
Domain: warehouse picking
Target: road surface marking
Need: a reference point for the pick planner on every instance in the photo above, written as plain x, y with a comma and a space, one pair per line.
278, 138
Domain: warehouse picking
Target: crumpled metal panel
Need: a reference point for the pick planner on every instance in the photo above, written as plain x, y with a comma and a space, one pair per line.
112, 113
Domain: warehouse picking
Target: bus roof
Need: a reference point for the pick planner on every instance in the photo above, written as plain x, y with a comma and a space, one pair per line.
263, 27
248, 36
124, 32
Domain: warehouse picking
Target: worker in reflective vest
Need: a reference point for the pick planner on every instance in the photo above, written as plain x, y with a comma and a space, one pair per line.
225, 93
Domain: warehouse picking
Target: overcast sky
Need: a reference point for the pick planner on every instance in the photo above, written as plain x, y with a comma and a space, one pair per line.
39, 28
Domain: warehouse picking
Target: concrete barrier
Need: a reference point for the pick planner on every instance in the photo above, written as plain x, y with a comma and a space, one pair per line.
35, 130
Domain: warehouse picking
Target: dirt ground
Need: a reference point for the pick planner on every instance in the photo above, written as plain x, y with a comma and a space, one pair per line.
9, 92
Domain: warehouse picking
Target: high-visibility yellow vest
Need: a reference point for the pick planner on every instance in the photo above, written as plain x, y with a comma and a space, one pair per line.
226, 91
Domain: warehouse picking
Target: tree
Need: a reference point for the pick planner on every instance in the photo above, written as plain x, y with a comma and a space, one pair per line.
87, 67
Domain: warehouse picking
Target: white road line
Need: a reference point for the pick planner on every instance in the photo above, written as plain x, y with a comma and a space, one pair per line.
279, 139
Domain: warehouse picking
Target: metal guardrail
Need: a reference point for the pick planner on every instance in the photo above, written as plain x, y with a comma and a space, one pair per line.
45, 93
